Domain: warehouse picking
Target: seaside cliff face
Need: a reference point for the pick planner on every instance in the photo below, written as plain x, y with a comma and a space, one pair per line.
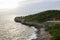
44, 18
42, 21
41, 33
50, 15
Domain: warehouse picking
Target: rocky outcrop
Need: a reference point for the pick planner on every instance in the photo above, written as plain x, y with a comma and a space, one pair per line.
41, 33
19, 20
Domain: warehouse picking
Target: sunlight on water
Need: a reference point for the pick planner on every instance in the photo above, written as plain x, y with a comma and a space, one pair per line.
10, 30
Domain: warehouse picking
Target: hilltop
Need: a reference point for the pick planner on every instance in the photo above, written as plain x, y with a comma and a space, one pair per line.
37, 20
44, 16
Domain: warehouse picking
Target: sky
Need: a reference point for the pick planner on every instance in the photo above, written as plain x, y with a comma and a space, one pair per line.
27, 7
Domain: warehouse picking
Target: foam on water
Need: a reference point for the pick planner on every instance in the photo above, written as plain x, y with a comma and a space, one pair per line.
10, 30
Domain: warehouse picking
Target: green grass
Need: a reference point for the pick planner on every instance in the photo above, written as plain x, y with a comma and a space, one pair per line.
43, 16
47, 16
54, 31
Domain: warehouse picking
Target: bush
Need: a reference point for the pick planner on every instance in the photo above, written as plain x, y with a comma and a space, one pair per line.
54, 31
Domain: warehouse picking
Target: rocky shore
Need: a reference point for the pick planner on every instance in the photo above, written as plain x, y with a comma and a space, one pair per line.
41, 33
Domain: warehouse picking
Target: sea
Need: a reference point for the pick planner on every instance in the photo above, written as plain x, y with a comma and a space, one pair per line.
11, 30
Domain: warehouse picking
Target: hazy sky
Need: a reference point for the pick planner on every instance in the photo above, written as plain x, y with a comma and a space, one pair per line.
25, 7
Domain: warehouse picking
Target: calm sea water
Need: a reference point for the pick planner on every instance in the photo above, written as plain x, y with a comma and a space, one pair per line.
10, 30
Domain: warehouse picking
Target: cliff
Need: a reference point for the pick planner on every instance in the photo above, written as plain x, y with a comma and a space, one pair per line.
49, 20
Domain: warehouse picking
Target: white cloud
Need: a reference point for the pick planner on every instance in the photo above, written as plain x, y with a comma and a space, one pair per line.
30, 2
27, 2
51, 0
8, 4
20, 6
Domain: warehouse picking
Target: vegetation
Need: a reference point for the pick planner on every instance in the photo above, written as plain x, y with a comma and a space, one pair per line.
54, 31
44, 16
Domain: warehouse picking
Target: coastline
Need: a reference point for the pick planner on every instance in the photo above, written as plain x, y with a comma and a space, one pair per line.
45, 22
41, 33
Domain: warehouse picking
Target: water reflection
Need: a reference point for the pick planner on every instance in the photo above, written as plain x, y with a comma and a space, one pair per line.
10, 30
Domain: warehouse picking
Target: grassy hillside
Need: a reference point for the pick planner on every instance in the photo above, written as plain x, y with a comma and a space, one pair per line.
54, 31
44, 16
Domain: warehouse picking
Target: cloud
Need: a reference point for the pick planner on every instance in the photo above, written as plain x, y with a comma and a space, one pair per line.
36, 1
38, 7
9, 4
26, 7
52, 0
28, 2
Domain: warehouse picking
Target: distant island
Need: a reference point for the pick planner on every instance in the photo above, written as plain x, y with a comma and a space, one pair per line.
42, 18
